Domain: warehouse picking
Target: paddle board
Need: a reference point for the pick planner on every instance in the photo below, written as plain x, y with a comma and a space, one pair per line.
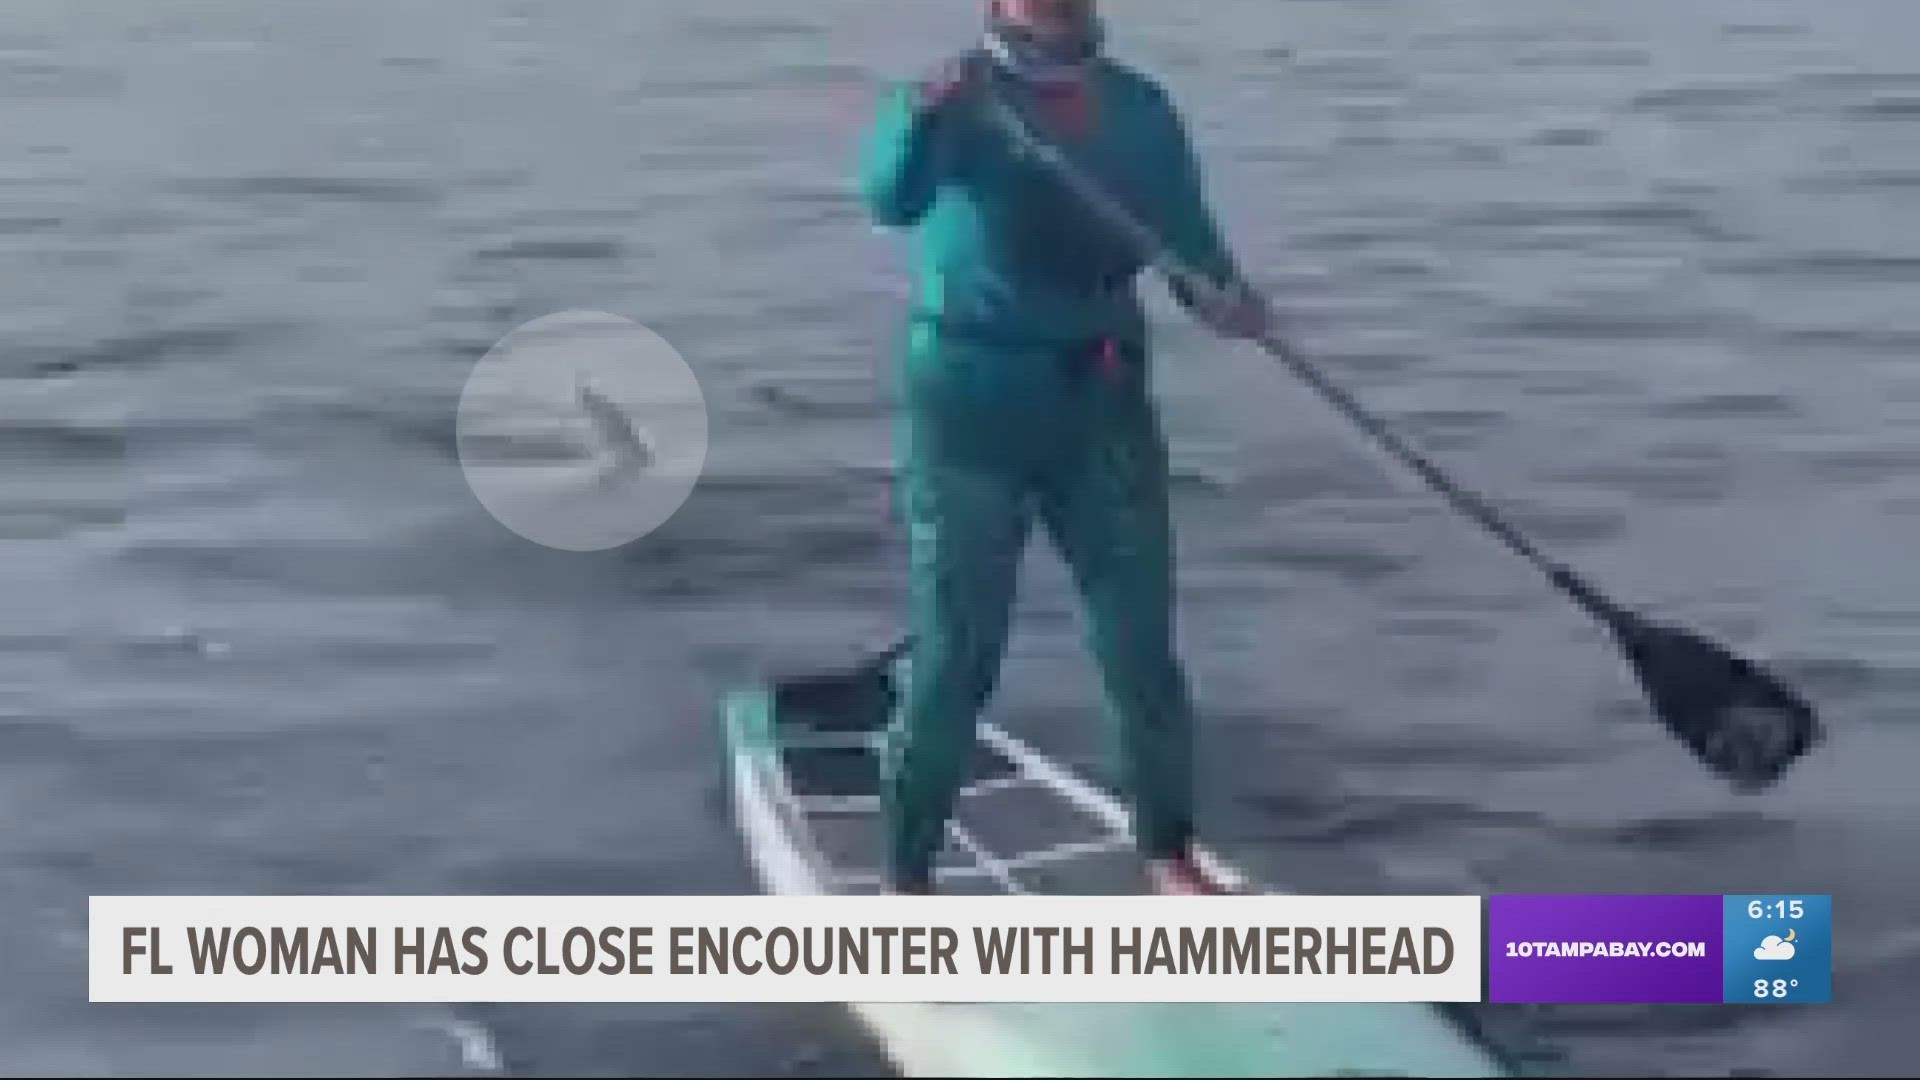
802, 765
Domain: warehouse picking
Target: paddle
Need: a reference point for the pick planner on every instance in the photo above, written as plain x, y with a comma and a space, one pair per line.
1743, 722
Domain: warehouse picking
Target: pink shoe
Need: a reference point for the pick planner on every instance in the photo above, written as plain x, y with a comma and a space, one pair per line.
1181, 876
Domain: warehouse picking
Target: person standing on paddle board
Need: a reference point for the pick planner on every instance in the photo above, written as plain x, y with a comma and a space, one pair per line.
1024, 377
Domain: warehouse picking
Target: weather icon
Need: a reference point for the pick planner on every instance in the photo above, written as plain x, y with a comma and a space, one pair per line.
1775, 947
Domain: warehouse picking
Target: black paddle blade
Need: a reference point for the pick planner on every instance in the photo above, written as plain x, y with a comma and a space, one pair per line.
1743, 722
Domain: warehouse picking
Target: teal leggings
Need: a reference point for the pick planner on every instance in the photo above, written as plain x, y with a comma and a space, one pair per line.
1082, 455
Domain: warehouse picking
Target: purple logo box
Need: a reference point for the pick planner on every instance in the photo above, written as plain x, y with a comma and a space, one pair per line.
1604, 948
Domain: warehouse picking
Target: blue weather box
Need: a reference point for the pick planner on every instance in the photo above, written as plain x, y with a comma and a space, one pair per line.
1778, 949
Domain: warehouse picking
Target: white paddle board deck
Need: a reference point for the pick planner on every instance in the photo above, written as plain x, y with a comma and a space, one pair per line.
803, 770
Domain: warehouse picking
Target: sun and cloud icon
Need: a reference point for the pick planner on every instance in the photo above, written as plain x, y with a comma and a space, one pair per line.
1775, 947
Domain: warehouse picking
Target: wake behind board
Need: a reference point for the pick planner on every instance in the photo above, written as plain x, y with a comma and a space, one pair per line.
803, 768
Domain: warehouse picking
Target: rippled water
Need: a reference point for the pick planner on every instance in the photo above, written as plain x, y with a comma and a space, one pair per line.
1646, 270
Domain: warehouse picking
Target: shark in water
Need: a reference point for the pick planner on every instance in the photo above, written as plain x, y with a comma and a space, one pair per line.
626, 450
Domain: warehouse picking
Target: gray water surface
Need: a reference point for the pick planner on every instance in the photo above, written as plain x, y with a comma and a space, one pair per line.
1646, 270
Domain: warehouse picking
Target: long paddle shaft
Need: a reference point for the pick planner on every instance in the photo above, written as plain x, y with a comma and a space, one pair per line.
1739, 719
1188, 280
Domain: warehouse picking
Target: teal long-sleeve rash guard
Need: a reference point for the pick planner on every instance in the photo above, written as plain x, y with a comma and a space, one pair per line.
1001, 250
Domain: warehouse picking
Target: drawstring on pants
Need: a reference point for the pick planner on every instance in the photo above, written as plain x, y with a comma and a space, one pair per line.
1103, 356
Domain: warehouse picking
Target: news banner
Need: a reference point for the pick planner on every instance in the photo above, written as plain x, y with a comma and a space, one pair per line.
1752, 949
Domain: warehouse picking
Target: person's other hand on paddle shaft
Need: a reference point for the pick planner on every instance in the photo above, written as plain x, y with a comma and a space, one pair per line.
948, 83
1025, 385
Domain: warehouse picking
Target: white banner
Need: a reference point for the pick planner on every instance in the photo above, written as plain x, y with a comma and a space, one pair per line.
784, 948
